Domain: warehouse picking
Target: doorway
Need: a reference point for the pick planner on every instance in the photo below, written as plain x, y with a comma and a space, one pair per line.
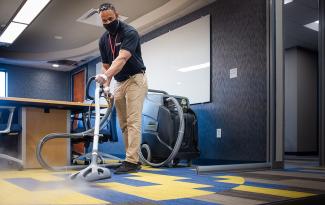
301, 67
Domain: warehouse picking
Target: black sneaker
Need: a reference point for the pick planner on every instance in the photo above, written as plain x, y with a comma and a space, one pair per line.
127, 167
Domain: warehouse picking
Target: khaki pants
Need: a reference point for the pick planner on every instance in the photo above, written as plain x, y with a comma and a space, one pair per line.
129, 97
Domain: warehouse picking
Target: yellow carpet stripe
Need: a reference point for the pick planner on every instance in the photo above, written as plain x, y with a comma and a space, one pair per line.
14, 195
39, 175
260, 190
148, 168
167, 187
273, 192
231, 179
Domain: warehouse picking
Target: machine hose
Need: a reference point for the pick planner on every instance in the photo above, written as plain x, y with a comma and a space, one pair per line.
106, 117
51, 136
179, 137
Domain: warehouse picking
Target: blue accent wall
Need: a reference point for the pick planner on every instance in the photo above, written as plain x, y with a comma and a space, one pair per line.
238, 106
27, 82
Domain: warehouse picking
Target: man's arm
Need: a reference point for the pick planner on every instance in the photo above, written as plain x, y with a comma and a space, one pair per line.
118, 64
116, 67
105, 67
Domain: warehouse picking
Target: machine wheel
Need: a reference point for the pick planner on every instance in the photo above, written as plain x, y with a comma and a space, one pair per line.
20, 167
146, 152
15, 165
189, 163
175, 162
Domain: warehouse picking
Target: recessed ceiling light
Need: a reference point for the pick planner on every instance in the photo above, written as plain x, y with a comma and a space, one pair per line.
55, 65
313, 25
24, 17
30, 10
58, 37
287, 1
12, 32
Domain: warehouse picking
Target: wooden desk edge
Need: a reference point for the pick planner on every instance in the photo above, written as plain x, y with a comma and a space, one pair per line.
45, 103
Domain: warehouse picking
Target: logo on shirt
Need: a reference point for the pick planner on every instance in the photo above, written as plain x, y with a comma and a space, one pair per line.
118, 44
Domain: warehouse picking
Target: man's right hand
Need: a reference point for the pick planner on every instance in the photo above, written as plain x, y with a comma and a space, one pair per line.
101, 78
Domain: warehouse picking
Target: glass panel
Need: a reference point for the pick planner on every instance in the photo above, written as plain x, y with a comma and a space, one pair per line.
301, 27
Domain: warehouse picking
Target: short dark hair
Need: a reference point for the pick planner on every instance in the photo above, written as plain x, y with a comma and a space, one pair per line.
106, 6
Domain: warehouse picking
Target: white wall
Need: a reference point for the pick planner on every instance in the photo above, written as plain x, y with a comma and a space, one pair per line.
3, 84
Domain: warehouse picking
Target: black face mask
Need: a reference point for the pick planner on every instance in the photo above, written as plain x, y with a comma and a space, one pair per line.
112, 27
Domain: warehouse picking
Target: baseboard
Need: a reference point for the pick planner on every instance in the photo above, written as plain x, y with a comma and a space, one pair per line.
277, 165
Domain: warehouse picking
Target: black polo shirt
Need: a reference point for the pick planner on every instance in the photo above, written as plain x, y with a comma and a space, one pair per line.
127, 38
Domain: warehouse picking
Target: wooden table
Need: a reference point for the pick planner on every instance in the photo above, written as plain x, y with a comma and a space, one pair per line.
41, 117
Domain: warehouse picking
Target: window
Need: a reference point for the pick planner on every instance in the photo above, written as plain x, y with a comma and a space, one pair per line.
3, 84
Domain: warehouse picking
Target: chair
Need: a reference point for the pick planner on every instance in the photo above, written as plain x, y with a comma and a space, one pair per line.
108, 134
8, 129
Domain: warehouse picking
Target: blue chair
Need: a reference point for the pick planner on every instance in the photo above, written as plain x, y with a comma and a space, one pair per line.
8, 129
85, 122
108, 134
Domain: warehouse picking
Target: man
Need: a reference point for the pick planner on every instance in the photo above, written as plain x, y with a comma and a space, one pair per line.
121, 57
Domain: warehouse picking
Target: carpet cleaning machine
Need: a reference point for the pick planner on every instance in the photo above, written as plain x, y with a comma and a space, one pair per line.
169, 135
169, 130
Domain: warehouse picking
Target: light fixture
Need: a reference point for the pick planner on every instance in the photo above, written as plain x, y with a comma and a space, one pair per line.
195, 67
24, 17
313, 25
58, 37
12, 32
55, 65
30, 10
287, 1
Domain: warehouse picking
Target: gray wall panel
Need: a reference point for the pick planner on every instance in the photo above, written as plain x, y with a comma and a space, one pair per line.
307, 101
291, 96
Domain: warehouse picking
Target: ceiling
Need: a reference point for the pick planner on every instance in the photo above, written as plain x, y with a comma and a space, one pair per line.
41, 44
297, 14
61, 33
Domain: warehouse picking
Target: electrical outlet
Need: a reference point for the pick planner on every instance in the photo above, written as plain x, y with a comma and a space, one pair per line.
218, 133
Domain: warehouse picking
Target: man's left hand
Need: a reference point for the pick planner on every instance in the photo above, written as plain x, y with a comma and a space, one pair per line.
101, 78
107, 92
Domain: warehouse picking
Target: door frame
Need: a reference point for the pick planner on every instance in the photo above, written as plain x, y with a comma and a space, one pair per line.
276, 85
321, 83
